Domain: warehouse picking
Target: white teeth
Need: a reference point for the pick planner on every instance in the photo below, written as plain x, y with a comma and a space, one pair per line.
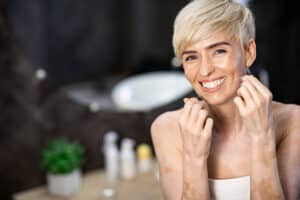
212, 84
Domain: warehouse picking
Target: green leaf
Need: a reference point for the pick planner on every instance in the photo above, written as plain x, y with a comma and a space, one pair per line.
62, 156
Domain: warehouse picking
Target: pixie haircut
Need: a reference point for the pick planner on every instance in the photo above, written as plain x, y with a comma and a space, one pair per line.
199, 19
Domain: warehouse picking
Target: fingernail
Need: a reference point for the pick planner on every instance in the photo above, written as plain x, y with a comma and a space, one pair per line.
185, 100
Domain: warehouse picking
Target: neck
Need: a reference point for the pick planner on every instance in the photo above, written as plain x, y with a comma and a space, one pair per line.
227, 119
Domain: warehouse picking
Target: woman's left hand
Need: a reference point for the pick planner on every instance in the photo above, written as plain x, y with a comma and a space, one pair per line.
254, 102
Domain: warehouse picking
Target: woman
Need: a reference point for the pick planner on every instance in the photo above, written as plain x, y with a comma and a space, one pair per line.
236, 137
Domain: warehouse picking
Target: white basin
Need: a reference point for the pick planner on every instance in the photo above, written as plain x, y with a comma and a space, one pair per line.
150, 90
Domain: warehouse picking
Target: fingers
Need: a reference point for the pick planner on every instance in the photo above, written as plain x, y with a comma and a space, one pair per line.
202, 116
191, 109
251, 87
208, 125
260, 88
252, 91
194, 116
186, 112
240, 104
245, 94
251, 94
193, 100
196, 109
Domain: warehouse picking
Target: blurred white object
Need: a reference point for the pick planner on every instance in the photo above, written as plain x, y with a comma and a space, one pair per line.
232, 188
87, 94
243, 2
108, 194
150, 90
128, 166
175, 62
40, 74
111, 155
94, 107
110, 139
64, 184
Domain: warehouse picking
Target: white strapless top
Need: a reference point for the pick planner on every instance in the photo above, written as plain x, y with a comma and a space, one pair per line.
230, 189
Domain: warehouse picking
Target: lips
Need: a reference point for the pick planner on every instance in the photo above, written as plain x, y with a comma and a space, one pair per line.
212, 85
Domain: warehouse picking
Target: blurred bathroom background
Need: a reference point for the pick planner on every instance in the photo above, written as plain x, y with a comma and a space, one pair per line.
61, 60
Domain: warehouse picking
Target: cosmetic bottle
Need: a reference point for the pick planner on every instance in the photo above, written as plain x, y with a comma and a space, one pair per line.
111, 157
128, 161
144, 158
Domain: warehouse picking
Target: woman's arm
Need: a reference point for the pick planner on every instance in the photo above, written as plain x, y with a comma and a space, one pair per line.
182, 147
168, 151
276, 175
265, 181
254, 102
288, 156
195, 179
196, 130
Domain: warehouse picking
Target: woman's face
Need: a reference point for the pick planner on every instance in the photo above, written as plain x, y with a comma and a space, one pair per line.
214, 67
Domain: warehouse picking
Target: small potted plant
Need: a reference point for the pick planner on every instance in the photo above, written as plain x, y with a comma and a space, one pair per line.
62, 161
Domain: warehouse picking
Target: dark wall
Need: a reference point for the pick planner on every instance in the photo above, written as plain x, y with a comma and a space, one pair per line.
19, 119
75, 39
71, 39
278, 29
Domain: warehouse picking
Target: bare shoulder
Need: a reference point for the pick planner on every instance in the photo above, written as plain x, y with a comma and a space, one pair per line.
294, 118
168, 152
286, 117
166, 138
165, 124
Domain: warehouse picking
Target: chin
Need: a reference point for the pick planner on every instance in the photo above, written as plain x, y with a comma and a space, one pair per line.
219, 102
217, 99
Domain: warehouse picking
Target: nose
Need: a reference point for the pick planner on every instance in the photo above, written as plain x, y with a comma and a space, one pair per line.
206, 68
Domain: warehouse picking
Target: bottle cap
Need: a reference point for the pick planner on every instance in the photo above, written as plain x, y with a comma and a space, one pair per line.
127, 145
109, 140
144, 151
110, 137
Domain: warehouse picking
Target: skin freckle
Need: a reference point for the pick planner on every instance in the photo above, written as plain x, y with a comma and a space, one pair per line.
167, 170
189, 191
179, 150
268, 190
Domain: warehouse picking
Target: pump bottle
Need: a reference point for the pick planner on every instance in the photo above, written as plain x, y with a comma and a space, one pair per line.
111, 156
128, 165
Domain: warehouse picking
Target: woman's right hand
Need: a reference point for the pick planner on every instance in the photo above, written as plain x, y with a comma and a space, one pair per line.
196, 129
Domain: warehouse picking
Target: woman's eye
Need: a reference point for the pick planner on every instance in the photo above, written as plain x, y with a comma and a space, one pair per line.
220, 51
190, 58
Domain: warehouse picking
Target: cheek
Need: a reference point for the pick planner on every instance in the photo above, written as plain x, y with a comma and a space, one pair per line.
236, 80
236, 67
239, 62
191, 74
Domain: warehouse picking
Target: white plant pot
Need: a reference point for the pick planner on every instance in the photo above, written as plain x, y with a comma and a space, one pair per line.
64, 184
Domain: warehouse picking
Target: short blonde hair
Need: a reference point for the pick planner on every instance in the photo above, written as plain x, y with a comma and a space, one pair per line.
202, 18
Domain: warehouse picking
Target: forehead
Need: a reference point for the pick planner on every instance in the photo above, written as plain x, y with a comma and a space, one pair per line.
215, 38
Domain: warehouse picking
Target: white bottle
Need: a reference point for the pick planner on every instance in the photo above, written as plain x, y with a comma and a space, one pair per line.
111, 156
128, 165
144, 161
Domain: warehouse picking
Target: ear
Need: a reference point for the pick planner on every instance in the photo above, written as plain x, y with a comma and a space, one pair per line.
250, 52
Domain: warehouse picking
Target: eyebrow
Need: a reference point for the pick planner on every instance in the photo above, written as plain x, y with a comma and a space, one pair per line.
217, 44
188, 52
211, 46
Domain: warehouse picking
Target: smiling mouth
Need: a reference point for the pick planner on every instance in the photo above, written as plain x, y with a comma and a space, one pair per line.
210, 85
